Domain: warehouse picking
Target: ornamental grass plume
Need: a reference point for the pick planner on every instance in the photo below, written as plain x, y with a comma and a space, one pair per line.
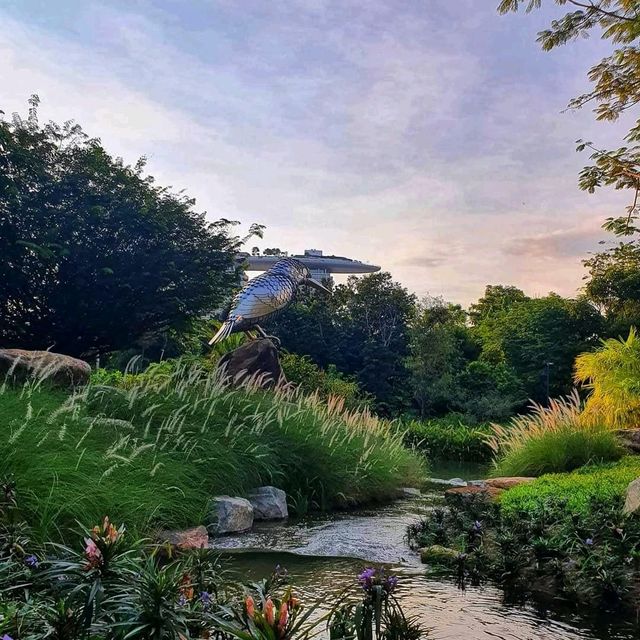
550, 439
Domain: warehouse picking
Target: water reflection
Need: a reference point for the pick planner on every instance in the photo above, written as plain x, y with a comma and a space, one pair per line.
323, 554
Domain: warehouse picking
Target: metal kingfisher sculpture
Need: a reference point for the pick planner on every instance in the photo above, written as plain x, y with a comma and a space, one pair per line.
264, 296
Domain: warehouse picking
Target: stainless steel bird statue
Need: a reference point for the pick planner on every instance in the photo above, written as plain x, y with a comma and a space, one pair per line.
264, 296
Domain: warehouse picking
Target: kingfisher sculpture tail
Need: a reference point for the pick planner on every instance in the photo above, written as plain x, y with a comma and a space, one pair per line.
224, 331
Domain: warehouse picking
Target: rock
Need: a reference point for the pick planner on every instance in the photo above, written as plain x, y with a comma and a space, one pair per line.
409, 492
255, 358
463, 496
477, 483
632, 497
437, 554
269, 503
229, 515
507, 482
630, 439
453, 482
195, 538
59, 370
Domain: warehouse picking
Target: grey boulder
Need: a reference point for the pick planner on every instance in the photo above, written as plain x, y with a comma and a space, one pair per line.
632, 497
229, 515
19, 365
269, 503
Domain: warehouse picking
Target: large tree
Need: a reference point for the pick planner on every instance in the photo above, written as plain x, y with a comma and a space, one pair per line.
95, 256
615, 272
539, 337
362, 329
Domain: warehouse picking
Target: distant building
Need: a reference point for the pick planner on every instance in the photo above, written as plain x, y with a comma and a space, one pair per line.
322, 267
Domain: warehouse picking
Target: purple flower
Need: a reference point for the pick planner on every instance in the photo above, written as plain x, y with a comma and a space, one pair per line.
589, 542
6, 636
31, 561
205, 598
367, 576
182, 601
391, 583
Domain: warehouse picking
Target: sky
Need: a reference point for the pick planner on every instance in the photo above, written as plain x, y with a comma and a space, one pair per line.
424, 136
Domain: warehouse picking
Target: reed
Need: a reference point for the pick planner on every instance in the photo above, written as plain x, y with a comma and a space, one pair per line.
153, 451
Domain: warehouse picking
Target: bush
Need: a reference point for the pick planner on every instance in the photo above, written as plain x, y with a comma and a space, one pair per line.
560, 535
154, 453
612, 373
449, 438
310, 378
551, 439
578, 490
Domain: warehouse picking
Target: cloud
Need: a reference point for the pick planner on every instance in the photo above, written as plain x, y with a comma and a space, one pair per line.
365, 130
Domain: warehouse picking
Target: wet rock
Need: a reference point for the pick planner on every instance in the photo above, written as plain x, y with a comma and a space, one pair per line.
632, 497
453, 482
507, 482
464, 496
57, 369
269, 503
256, 359
437, 554
229, 515
195, 538
409, 492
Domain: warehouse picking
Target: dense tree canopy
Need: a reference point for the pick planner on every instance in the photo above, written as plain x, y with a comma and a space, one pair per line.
362, 329
94, 254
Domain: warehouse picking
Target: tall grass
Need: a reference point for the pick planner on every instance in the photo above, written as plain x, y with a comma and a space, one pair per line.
551, 439
612, 373
152, 453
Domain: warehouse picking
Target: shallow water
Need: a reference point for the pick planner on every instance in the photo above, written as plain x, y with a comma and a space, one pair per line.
324, 553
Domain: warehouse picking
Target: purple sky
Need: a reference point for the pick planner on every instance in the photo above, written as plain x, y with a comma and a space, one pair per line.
425, 136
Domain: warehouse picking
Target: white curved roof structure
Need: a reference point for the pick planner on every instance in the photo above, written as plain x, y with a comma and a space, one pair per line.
315, 260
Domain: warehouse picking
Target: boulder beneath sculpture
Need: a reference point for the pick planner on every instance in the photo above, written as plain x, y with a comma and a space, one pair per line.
19, 365
269, 503
256, 360
229, 515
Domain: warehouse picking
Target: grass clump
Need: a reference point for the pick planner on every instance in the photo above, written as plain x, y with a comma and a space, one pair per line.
551, 439
449, 438
154, 452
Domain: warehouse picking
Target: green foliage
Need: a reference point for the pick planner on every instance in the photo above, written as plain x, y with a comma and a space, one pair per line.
551, 439
612, 374
578, 490
526, 333
614, 274
448, 438
310, 378
156, 450
562, 535
362, 329
96, 257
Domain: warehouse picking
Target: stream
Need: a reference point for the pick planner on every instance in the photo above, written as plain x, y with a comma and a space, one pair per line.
323, 553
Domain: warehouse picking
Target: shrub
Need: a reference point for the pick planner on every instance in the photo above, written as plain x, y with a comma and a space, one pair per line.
311, 379
551, 439
154, 453
562, 534
449, 438
612, 373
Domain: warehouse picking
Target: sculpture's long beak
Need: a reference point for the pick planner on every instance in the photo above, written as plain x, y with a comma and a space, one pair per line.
314, 283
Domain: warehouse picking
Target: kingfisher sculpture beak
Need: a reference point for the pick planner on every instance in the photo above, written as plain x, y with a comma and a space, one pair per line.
317, 285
